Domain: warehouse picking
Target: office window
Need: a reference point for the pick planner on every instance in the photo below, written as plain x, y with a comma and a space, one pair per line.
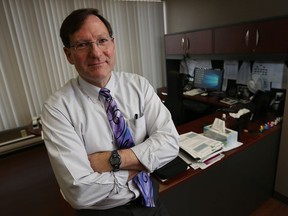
32, 61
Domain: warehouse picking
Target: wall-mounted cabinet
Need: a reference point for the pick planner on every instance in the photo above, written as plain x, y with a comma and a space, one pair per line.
197, 42
265, 37
273, 37
175, 44
262, 37
235, 39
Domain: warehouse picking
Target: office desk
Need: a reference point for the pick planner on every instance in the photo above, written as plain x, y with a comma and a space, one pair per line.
236, 185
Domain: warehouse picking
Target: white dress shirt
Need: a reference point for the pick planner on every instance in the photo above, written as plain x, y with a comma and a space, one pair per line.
75, 125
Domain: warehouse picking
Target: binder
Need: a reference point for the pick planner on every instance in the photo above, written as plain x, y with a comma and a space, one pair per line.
171, 169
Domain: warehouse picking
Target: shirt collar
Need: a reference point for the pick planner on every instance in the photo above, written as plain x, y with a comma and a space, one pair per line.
92, 91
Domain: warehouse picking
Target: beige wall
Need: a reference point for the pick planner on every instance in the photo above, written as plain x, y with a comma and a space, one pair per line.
185, 15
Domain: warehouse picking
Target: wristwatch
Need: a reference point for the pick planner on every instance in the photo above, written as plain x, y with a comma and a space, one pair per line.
115, 160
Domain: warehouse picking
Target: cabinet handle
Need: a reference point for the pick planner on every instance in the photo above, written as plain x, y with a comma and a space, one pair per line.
182, 43
187, 45
257, 37
247, 38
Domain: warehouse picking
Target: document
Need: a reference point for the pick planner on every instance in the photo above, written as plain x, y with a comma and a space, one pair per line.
230, 69
244, 74
199, 151
191, 64
274, 73
202, 163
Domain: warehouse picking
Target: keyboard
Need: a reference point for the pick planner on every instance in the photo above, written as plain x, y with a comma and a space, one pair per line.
193, 92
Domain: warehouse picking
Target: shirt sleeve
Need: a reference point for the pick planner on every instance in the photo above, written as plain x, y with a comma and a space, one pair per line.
80, 185
162, 145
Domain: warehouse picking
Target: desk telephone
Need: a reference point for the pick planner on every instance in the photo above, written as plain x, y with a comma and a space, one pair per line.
188, 86
188, 82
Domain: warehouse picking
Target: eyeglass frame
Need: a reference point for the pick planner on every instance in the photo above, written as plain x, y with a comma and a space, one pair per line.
90, 43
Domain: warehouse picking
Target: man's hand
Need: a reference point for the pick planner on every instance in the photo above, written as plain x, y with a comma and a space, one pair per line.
100, 162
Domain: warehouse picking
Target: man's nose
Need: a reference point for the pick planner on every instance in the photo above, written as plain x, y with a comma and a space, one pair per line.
95, 49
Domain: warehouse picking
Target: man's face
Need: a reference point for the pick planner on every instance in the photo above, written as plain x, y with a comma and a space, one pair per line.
95, 63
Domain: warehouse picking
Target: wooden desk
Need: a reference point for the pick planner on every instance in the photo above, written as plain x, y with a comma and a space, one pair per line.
28, 185
162, 93
236, 185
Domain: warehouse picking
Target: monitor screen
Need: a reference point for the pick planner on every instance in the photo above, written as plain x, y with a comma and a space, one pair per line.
208, 79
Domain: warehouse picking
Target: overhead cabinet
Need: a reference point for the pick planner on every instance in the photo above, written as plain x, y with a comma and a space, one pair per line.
235, 39
197, 42
263, 37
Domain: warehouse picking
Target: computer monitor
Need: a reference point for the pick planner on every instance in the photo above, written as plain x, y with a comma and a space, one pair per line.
208, 79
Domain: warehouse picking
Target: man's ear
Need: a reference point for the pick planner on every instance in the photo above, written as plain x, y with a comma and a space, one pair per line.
68, 54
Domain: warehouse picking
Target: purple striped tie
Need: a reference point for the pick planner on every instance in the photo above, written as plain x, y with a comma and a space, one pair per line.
124, 140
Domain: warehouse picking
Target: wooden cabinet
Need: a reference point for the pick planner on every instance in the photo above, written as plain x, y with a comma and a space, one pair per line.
233, 39
273, 37
197, 42
263, 37
175, 44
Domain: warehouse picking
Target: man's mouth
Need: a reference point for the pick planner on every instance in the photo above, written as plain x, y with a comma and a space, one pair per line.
96, 64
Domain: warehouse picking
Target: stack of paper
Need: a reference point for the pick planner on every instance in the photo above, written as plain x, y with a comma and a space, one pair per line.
199, 151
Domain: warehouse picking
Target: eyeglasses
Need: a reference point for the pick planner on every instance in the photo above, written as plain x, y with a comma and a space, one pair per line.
102, 43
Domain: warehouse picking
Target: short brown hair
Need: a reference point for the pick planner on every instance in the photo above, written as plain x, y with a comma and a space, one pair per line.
74, 21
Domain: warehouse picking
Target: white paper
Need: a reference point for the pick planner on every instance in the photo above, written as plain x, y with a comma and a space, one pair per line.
244, 74
230, 147
271, 73
191, 64
198, 146
224, 85
209, 162
230, 69
239, 113
183, 67
218, 125
204, 64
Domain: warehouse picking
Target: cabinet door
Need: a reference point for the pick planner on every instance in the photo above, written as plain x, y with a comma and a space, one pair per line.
199, 42
174, 44
271, 37
234, 39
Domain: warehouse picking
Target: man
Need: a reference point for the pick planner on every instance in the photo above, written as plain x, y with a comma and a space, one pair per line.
95, 174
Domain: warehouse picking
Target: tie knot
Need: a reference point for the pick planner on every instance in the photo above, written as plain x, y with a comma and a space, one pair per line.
105, 93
